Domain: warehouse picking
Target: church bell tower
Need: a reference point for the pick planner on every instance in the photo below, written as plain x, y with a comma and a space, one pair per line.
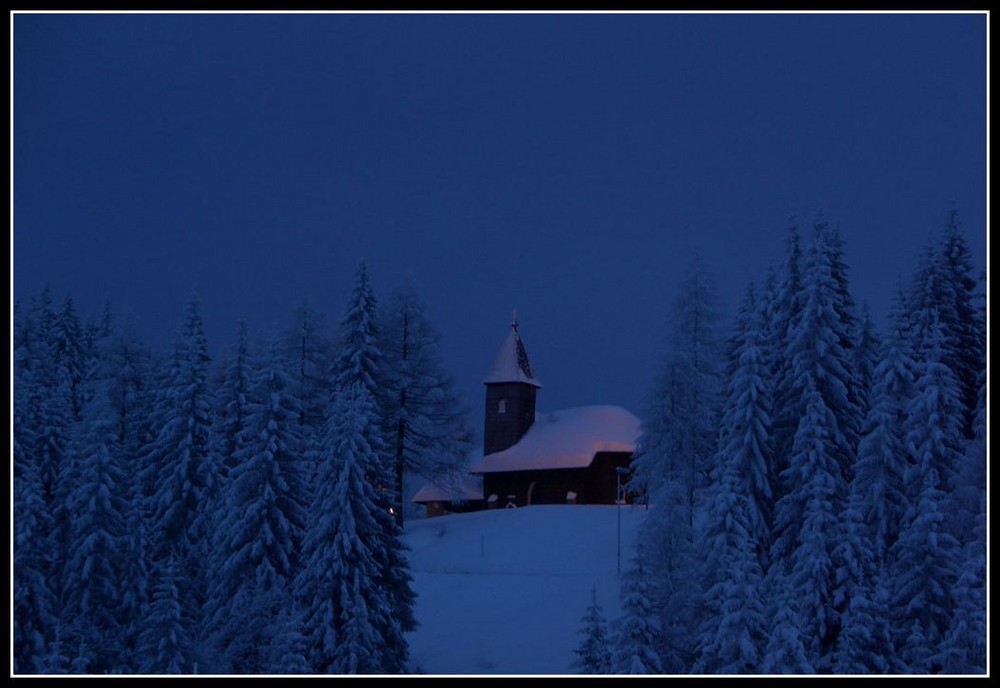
511, 388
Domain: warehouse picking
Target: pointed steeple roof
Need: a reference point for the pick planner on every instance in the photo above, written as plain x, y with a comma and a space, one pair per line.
511, 363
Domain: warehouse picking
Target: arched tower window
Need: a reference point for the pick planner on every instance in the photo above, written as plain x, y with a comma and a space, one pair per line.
502, 406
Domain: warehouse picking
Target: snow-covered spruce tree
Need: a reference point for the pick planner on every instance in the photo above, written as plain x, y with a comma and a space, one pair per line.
674, 452
882, 459
810, 509
423, 413
785, 307
944, 281
636, 632
593, 656
33, 601
260, 531
97, 498
180, 467
125, 364
813, 483
926, 555
348, 619
232, 402
964, 647
864, 643
358, 361
866, 353
165, 645
679, 435
71, 353
785, 651
357, 358
736, 532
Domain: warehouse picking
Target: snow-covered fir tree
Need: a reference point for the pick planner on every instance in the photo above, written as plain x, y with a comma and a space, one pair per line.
673, 456
881, 458
814, 480
926, 555
260, 531
94, 580
181, 469
737, 529
348, 616
425, 419
593, 655
636, 632
165, 645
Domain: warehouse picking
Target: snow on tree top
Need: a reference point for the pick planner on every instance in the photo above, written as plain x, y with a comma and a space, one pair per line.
512, 364
566, 439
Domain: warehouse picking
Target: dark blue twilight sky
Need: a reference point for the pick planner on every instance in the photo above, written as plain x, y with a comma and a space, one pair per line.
568, 165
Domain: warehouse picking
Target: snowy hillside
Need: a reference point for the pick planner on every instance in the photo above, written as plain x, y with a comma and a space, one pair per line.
502, 592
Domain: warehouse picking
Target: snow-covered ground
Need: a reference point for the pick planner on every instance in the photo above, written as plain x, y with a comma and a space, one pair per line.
502, 592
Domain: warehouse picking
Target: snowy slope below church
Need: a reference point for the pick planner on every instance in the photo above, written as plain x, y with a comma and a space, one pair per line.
502, 592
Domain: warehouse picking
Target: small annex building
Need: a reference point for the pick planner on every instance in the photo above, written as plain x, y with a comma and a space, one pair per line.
568, 456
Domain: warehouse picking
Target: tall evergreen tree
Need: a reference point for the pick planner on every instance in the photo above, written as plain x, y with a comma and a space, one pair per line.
593, 656
737, 517
674, 455
814, 482
426, 422
307, 361
636, 632
261, 529
165, 645
785, 309
348, 614
93, 577
180, 471
926, 554
944, 282
881, 459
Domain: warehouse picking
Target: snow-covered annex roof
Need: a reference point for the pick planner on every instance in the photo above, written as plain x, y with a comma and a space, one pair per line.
566, 439
512, 364
463, 489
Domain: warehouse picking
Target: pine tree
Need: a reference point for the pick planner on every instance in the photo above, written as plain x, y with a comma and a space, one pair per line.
347, 610
636, 632
593, 654
424, 416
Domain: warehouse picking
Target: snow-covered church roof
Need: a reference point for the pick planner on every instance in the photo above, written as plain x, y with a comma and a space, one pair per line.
566, 439
512, 364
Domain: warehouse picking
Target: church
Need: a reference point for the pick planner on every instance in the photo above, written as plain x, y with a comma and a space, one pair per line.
570, 456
